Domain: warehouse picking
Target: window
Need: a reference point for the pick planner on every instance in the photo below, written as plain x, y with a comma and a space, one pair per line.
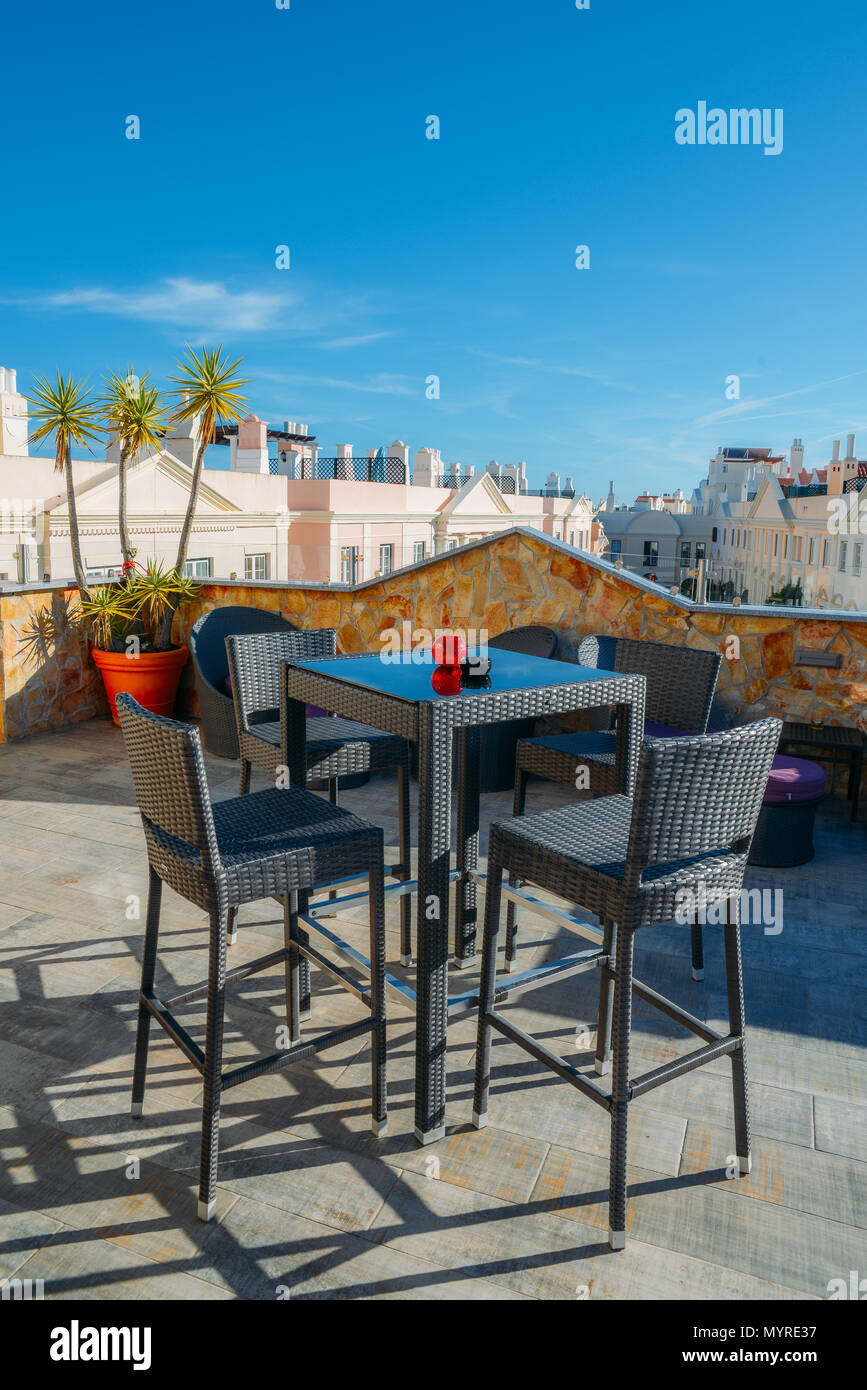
615, 548
826, 553
856, 558
651, 552
786, 547
417, 551
197, 569
348, 564
386, 553
841, 558
256, 566
714, 533
685, 552
776, 542
700, 549
811, 552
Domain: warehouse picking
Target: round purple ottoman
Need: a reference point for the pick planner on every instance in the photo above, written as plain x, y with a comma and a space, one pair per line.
784, 833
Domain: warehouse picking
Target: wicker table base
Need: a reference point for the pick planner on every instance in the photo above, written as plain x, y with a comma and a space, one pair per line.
367, 689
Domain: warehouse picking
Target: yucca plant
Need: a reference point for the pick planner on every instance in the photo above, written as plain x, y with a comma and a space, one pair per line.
67, 411
108, 613
208, 389
156, 592
136, 606
137, 417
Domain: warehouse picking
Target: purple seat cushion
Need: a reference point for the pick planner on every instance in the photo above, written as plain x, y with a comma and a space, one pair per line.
795, 779
652, 730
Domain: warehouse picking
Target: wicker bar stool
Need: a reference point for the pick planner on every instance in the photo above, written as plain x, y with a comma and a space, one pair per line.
688, 827
335, 747
276, 843
681, 682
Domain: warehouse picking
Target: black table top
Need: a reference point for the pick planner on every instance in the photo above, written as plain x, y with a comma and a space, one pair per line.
406, 679
832, 735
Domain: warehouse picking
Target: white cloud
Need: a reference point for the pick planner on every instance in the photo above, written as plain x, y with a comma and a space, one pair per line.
748, 407
360, 341
537, 365
383, 384
207, 306
199, 309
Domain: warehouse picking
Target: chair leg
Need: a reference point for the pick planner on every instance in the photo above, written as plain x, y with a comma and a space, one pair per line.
405, 859
735, 989
697, 951
620, 1088
518, 804
304, 1005
493, 895
232, 927
520, 795
606, 1001
333, 793
293, 967
379, 1089
148, 969
213, 1066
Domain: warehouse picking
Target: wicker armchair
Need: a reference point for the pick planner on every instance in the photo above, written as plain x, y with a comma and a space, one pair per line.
335, 747
275, 843
207, 643
681, 682
628, 860
499, 741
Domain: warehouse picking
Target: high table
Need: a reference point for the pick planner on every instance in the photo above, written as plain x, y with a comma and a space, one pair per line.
829, 743
394, 692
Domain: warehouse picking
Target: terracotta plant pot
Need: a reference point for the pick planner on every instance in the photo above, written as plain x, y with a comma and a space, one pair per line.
151, 678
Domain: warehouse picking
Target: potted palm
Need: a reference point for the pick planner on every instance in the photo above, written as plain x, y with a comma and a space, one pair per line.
128, 631
136, 416
208, 391
66, 411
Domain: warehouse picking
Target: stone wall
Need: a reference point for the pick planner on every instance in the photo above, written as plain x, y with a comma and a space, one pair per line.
515, 578
47, 678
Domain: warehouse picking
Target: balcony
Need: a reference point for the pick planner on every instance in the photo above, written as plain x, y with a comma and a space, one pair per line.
307, 1199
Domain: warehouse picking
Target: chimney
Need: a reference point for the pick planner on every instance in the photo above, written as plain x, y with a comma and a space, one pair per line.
836, 454
248, 451
850, 446
343, 468
13, 415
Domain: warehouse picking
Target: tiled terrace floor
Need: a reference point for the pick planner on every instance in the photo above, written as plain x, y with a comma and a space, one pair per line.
309, 1203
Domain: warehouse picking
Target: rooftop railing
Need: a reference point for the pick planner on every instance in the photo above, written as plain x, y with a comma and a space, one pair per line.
350, 469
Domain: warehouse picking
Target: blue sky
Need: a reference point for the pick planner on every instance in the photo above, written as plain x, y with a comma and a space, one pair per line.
456, 258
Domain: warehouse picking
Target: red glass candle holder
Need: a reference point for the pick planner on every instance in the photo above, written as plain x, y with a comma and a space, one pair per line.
449, 649
446, 680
